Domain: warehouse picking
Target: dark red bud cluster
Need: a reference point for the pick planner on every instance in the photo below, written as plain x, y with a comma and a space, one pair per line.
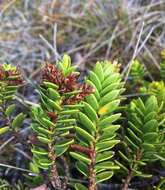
11, 77
66, 84
85, 90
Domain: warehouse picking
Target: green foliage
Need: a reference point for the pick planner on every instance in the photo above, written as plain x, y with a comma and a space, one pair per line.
138, 71
10, 80
4, 185
142, 138
96, 127
157, 88
54, 117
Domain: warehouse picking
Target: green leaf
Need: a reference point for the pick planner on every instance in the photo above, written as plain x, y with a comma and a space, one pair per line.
150, 116
84, 134
134, 146
106, 145
60, 150
69, 112
86, 122
96, 93
65, 143
17, 122
108, 165
148, 147
124, 157
112, 95
111, 79
76, 106
122, 166
33, 167
135, 129
159, 157
109, 108
54, 105
151, 126
92, 101
53, 94
44, 139
66, 61
108, 120
133, 136
80, 157
103, 176
48, 123
43, 130
79, 186
45, 162
4, 130
140, 174
110, 129
150, 137
104, 156
99, 71
151, 104
94, 78
64, 128
110, 87
83, 168
10, 109
90, 112
50, 85
66, 121
39, 151
8, 98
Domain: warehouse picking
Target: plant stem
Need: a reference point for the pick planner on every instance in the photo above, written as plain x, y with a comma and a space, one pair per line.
54, 177
92, 173
128, 180
134, 167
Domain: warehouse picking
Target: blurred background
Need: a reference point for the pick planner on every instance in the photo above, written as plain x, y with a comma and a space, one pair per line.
32, 31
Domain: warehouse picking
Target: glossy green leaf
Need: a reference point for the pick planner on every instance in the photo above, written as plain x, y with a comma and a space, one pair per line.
109, 120
84, 134
86, 122
94, 78
99, 71
53, 94
17, 122
112, 95
10, 109
106, 145
103, 176
109, 108
44, 140
90, 112
4, 130
83, 168
80, 157
50, 85
79, 186
92, 101
65, 143
103, 156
